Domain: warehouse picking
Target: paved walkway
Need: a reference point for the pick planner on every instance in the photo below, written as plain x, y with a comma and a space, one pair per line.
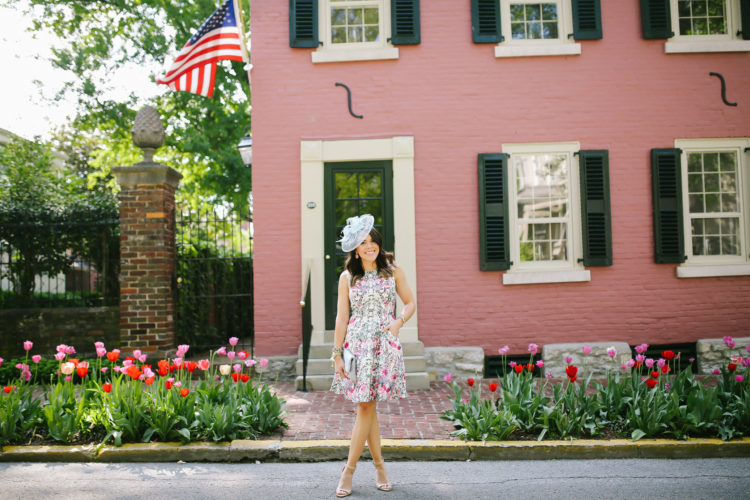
325, 415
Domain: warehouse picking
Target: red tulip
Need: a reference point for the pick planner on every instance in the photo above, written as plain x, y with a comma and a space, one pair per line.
655, 374
668, 355
82, 371
74, 361
134, 372
191, 366
149, 380
168, 384
106, 387
651, 383
184, 391
470, 382
493, 387
235, 376
518, 368
7, 389
530, 367
244, 377
665, 369
571, 371
112, 356
732, 367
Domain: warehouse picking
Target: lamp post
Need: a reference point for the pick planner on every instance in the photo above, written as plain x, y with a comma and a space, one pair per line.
246, 150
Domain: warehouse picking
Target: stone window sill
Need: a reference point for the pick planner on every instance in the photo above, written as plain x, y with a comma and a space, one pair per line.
694, 271
345, 55
533, 49
534, 277
683, 47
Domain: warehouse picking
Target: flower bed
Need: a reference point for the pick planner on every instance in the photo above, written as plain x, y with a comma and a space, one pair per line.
116, 400
643, 398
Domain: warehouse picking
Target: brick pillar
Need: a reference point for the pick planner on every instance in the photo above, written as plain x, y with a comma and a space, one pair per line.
147, 252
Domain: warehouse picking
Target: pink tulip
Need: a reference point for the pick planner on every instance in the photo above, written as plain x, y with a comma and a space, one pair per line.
250, 362
624, 367
233, 341
716, 371
127, 363
548, 374
640, 358
62, 348
640, 349
263, 362
727, 340
568, 359
611, 352
116, 369
747, 348
60, 355
539, 363
739, 378
142, 358
242, 355
661, 362
148, 373
649, 362
237, 368
70, 350
630, 363
504, 350
448, 378
36, 358
28, 345
178, 384
692, 360
533, 348
137, 353
99, 345
512, 364
586, 349
231, 355
101, 352
177, 362
68, 378
182, 349
745, 361
104, 369
204, 364
667, 387
1, 361
222, 350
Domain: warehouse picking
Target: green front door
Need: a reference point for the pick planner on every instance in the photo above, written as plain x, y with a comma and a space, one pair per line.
352, 189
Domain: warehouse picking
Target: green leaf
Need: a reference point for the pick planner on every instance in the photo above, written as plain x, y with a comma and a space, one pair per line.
637, 434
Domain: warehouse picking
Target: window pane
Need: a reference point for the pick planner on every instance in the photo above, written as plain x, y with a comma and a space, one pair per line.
686, 27
698, 246
369, 185
729, 246
697, 227
712, 226
683, 8
534, 30
713, 203
696, 203
533, 12
355, 35
728, 202
728, 183
710, 162
695, 183
550, 30
711, 183
338, 35
700, 26
728, 162
716, 26
516, 12
372, 34
346, 185
518, 31
355, 16
699, 8
549, 12
371, 16
716, 8
344, 210
694, 162
372, 207
713, 245
338, 17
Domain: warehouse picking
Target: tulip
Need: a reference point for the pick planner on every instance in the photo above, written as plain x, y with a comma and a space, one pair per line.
62, 348
204, 364
168, 383
716, 371
99, 345
127, 363
142, 358
624, 367
116, 369
104, 369
530, 367
235, 377
113, 355
651, 383
242, 355
225, 369
7, 389
739, 378
178, 384
568, 359
745, 362
134, 372
250, 362
470, 382
586, 349
630, 363
661, 362
503, 350
60, 356
548, 374
237, 368
611, 352
184, 392
731, 367
231, 355
649, 362
518, 368
222, 350
448, 378
177, 362
665, 369
539, 363
533, 348
233, 341
654, 374
512, 364
244, 377
1, 361
149, 380
640, 349
147, 373
571, 371
692, 360
27, 345
668, 355
493, 387
263, 362
182, 350
640, 358
191, 366
101, 352
67, 368
137, 353
70, 350
747, 348
728, 341
107, 387
68, 378
36, 358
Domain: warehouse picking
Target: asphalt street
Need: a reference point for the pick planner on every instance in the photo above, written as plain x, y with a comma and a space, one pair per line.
558, 479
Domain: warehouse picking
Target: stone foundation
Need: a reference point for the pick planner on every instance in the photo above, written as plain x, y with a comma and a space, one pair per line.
279, 368
597, 363
461, 361
714, 353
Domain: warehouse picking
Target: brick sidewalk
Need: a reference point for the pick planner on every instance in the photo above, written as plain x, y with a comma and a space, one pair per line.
325, 415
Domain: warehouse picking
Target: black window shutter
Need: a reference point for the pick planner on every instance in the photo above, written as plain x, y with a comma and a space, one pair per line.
595, 208
669, 246
405, 22
303, 23
587, 19
745, 18
485, 21
493, 212
656, 19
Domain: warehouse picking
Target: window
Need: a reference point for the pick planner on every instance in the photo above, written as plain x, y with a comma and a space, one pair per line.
353, 30
714, 203
698, 25
544, 212
536, 28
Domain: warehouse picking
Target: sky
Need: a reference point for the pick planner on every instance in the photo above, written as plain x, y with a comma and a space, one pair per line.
24, 58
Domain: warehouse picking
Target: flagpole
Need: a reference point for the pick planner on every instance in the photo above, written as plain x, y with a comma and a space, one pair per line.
242, 35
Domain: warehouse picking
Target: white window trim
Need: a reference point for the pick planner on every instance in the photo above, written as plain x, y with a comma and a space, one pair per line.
563, 46
328, 53
686, 44
709, 266
546, 272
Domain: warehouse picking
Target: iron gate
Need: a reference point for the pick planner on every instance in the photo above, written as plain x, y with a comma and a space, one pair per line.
214, 282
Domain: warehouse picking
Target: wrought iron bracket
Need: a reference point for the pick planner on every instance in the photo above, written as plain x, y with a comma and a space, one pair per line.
349, 100
723, 89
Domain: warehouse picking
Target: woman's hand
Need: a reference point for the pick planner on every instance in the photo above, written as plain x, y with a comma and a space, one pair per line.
339, 367
394, 327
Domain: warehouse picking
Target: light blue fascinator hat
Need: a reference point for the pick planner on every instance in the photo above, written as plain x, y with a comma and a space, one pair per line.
356, 231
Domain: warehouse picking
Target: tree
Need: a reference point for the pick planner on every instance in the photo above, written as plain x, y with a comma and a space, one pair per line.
100, 36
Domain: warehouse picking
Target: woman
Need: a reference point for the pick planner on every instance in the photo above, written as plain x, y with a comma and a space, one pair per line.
366, 325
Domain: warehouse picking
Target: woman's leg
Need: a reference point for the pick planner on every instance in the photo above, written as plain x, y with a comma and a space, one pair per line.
373, 443
360, 433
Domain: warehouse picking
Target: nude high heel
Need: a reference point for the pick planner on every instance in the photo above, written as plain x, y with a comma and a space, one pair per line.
341, 492
381, 486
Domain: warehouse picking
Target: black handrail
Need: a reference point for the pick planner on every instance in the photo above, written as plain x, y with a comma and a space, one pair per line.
306, 326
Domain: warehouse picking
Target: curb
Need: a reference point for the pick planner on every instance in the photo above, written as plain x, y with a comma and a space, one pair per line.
393, 449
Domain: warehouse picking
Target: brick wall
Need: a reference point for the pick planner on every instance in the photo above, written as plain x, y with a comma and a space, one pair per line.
623, 93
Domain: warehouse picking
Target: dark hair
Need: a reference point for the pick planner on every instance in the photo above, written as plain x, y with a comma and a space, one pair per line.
384, 260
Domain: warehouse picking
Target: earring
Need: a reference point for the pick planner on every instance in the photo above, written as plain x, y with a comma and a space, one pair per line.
356, 256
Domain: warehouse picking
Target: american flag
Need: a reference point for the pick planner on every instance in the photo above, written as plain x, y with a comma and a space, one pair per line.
194, 69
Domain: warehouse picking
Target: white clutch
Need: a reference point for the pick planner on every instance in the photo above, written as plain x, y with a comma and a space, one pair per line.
350, 364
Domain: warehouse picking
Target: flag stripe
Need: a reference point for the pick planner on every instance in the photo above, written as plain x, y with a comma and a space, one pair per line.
218, 52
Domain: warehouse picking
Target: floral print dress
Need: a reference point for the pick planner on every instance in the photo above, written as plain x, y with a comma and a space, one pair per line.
380, 360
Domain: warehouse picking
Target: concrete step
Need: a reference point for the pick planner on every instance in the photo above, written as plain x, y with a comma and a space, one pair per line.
414, 382
323, 351
323, 366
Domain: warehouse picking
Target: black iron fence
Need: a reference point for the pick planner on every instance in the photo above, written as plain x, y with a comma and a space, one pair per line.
59, 263
214, 292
